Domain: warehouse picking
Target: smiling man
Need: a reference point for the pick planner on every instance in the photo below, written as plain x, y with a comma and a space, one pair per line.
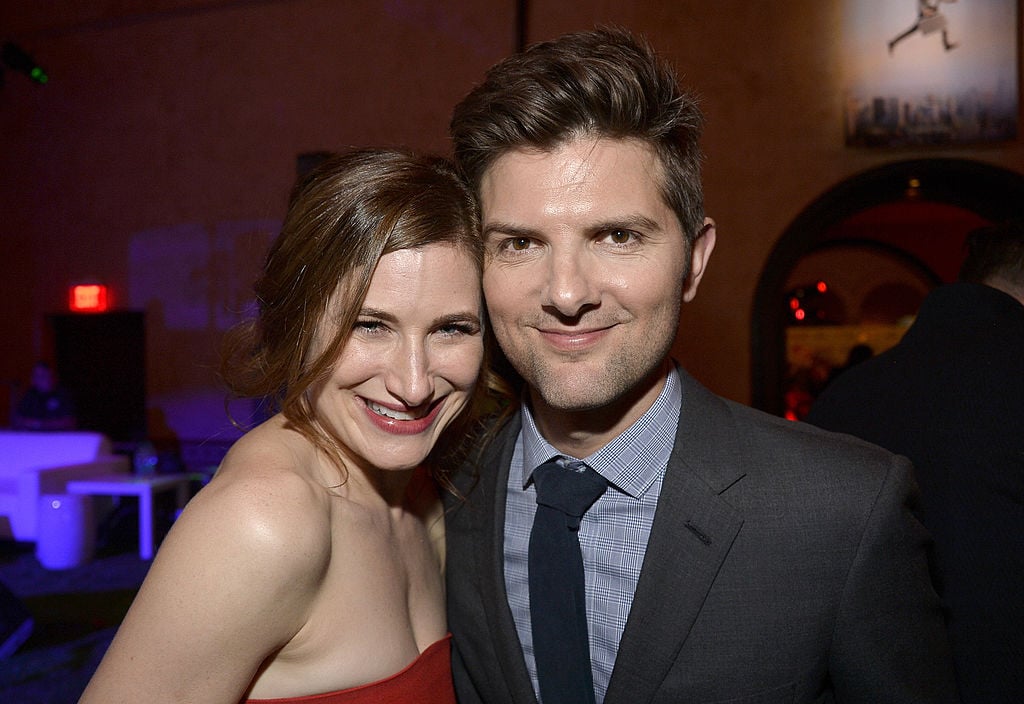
585, 266
632, 537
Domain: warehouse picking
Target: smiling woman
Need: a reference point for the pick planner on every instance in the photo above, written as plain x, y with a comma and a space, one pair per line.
312, 563
410, 363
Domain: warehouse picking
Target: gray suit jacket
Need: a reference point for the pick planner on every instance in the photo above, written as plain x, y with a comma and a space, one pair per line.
784, 565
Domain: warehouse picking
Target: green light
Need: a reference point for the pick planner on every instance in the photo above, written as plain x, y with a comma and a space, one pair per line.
17, 59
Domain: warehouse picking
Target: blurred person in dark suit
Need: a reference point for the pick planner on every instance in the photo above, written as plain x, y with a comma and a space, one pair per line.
950, 396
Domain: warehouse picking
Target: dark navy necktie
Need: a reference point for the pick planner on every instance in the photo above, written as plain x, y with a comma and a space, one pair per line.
558, 612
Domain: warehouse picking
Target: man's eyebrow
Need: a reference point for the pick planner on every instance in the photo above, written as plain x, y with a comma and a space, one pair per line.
620, 222
498, 227
628, 222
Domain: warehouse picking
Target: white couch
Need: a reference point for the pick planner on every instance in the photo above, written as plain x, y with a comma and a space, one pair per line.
37, 463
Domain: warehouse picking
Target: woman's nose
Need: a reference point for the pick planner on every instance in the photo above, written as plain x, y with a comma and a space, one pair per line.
409, 378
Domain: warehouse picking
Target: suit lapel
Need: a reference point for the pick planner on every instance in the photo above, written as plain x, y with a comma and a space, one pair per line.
490, 553
693, 531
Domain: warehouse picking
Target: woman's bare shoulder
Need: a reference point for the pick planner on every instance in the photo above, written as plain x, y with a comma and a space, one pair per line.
232, 583
266, 497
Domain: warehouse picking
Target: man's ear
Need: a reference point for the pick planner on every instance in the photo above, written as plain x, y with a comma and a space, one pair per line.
699, 256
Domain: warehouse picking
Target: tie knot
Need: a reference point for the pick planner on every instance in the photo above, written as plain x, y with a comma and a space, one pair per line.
569, 489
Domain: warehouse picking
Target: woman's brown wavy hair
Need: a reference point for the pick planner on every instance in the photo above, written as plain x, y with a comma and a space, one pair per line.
342, 218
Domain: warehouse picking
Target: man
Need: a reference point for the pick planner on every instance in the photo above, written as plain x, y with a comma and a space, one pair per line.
45, 405
950, 396
733, 556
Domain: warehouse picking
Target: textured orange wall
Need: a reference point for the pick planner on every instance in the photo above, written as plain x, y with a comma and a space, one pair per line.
172, 126
159, 157
771, 79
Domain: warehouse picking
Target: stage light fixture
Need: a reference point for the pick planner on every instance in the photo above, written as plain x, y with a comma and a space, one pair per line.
17, 59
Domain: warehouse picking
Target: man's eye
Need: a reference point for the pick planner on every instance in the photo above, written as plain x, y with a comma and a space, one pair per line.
519, 243
621, 236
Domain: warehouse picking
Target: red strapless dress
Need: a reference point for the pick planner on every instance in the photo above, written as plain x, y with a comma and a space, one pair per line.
426, 680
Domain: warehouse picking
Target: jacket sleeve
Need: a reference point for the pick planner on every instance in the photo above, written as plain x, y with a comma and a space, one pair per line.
890, 642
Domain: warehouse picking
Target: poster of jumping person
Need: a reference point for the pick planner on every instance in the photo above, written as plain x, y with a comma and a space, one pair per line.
929, 20
929, 72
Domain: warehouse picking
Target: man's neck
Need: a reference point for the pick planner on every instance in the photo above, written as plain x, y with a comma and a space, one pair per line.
1008, 287
580, 433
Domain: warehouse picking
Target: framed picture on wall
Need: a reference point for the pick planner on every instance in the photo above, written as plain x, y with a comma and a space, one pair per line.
922, 72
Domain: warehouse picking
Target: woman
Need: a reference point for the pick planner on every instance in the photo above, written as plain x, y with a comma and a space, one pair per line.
312, 562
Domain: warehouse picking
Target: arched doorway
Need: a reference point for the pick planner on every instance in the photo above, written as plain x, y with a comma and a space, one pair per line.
989, 192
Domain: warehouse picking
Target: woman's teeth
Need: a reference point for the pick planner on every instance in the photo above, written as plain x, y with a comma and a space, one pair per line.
390, 412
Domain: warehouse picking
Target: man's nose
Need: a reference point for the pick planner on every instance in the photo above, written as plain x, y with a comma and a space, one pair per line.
570, 288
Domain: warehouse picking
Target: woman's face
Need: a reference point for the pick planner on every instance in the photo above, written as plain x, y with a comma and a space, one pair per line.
412, 359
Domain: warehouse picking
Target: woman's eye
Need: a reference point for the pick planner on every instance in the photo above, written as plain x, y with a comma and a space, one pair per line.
369, 325
459, 329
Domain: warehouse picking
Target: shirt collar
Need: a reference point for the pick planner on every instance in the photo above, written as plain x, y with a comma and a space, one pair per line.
634, 459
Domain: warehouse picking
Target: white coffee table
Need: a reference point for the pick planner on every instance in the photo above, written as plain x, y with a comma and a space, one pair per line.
144, 487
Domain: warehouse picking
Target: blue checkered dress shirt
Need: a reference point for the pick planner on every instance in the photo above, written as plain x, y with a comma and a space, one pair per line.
613, 534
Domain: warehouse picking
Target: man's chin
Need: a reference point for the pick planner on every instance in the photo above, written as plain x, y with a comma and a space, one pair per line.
589, 389
580, 397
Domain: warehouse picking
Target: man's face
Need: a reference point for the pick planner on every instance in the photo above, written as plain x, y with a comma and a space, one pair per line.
585, 272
